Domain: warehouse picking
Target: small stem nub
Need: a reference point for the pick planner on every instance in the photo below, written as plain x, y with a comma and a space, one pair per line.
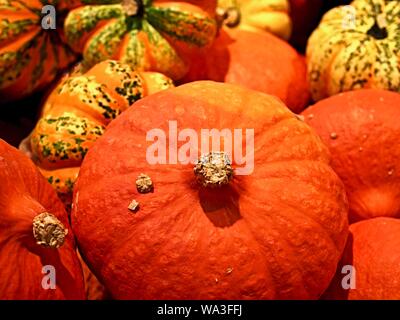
132, 7
144, 184
48, 231
378, 30
213, 170
229, 17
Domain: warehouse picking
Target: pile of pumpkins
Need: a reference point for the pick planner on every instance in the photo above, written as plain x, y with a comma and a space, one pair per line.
317, 216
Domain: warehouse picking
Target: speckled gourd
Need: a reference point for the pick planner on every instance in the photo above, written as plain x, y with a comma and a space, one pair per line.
355, 47
149, 35
77, 112
30, 55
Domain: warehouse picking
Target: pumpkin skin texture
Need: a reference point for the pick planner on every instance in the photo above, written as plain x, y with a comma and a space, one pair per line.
159, 36
78, 111
190, 242
348, 54
258, 61
373, 250
361, 130
24, 194
259, 15
30, 56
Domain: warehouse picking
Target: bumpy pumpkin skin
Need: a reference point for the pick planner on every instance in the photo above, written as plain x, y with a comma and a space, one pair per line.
257, 61
361, 129
24, 194
30, 56
160, 37
78, 111
275, 234
260, 15
373, 250
345, 54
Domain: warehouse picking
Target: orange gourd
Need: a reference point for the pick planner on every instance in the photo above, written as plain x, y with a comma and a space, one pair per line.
361, 130
258, 61
36, 242
370, 266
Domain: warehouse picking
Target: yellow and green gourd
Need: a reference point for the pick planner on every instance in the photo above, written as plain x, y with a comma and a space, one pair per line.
149, 35
77, 113
354, 47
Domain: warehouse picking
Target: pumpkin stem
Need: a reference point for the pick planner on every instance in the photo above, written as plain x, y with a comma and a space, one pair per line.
132, 7
48, 231
229, 17
213, 170
378, 30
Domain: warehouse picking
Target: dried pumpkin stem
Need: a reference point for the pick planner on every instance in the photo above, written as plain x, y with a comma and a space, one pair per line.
144, 184
48, 231
213, 170
132, 7
229, 17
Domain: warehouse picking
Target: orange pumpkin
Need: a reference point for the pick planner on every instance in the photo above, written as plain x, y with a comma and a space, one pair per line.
37, 249
191, 227
77, 113
30, 56
370, 267
258, 61
361, 130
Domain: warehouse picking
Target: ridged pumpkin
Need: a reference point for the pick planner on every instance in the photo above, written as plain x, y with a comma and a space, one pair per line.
149, 35
77, 113
34, 234
373, 251
257, 15
356, 48
361, 129
30, 56
198, 229
259, 61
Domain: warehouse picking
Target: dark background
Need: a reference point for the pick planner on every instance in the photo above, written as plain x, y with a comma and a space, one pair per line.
18, 118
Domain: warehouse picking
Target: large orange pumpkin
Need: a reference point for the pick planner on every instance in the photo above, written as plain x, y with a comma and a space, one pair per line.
361, 129
201, 228
30, 56
77, 112
35, 237
370, 267
258, 61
